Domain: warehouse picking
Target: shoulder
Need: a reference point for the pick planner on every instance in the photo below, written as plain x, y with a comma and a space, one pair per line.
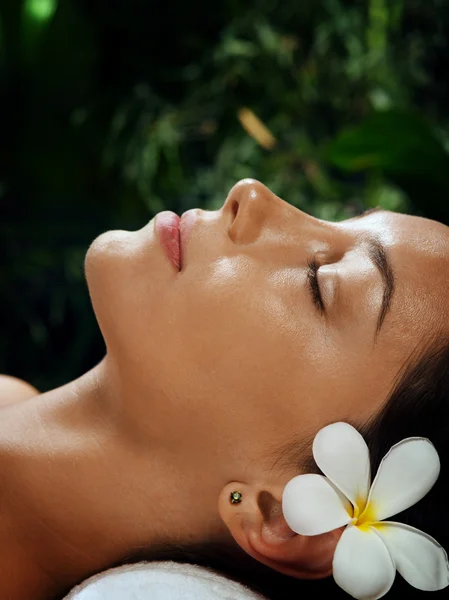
14, 390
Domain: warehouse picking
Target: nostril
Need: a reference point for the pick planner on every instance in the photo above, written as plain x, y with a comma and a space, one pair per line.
235, 208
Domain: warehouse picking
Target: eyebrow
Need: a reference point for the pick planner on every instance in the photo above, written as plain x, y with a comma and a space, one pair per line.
381, 259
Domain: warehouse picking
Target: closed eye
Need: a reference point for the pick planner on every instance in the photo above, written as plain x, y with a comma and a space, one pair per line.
313, 285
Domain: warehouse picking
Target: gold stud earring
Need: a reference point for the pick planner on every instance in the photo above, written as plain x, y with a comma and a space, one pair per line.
235, 498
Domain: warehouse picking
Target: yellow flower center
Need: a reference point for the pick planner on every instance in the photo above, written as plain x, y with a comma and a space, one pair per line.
363, 513
368, 515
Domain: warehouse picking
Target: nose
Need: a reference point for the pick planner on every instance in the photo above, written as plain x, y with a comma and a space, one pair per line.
251, 204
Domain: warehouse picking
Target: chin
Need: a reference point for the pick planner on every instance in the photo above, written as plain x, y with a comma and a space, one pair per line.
126, 274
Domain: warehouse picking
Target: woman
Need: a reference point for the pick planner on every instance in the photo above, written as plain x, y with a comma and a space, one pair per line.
216, 378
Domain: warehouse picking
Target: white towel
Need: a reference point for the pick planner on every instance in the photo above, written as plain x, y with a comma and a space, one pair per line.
161, 580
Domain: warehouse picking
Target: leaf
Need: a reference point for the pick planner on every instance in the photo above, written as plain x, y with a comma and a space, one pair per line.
397, 142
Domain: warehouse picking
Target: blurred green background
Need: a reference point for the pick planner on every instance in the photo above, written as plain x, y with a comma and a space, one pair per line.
112, 110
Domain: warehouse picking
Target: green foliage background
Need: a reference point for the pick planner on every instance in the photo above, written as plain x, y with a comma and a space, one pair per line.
114, 110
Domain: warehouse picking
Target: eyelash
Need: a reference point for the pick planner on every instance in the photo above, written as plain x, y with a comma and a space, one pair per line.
312, 280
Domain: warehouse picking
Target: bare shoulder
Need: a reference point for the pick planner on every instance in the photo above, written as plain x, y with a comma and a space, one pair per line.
14, 390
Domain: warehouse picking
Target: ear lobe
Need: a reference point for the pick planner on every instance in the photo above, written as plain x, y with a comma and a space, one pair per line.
259, 527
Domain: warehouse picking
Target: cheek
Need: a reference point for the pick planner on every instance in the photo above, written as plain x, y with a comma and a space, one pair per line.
231, 344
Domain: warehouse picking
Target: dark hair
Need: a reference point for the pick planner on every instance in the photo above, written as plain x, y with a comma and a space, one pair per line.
417, 406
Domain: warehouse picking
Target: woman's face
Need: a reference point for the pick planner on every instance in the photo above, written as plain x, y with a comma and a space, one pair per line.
231, 355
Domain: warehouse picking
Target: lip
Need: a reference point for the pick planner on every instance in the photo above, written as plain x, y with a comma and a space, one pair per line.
167, 228
173, 232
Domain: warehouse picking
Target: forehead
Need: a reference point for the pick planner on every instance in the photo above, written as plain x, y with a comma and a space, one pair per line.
419, 251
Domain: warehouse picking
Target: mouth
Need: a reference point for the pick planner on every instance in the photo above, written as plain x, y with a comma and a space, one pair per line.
173, 232
167, 226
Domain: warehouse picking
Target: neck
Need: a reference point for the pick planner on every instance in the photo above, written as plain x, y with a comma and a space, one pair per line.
86, 490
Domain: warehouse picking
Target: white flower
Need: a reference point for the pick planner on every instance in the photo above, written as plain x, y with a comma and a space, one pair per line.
370, 548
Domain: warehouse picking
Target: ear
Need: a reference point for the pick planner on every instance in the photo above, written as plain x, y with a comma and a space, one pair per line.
259, 527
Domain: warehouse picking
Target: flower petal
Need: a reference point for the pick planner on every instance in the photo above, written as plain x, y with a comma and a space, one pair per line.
407, 472
311, 505
362, 564
419, 558
342, 454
